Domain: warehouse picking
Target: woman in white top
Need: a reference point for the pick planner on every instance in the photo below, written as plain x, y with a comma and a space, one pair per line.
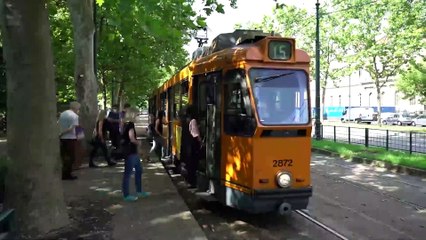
195, 142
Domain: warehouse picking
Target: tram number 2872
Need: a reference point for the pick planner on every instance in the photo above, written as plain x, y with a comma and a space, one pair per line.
282, 163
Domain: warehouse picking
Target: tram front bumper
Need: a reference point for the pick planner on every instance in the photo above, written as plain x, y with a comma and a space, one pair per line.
263, 201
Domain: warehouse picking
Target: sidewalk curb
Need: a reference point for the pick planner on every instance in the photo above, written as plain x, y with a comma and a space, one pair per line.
377, 163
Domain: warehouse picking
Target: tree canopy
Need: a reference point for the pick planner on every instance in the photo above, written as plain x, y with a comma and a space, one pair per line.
139, 44
379, 37
412, 83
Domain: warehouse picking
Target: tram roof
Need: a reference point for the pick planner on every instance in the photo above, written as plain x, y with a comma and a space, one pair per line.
256, 51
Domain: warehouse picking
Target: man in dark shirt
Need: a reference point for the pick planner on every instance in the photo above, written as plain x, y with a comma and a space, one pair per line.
114, 126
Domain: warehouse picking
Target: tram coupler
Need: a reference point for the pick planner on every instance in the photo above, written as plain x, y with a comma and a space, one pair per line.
284, 209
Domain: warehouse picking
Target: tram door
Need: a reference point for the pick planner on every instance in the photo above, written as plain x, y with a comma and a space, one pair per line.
170, 104
212, 138
208, 106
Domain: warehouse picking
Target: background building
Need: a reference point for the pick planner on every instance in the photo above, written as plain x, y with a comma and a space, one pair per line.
358, 90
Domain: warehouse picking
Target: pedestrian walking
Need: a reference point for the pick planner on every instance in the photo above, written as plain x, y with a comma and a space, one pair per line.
114, 126
130, 148
99, 140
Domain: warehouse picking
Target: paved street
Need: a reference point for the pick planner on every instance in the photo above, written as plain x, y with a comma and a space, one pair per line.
356, 200
396, 140
366, 203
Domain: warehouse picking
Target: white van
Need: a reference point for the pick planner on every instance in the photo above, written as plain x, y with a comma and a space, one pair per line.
359, 115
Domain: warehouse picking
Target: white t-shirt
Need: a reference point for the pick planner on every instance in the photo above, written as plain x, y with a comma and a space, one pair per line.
67, 119
193, 128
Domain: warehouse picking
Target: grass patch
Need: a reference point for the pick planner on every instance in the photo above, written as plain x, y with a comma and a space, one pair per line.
374, 126
373, 153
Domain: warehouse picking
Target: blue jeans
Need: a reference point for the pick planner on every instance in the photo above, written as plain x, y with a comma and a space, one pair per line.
132, 161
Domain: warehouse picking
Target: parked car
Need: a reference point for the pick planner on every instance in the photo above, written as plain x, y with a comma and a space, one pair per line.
398, 119
385, 116
420, 120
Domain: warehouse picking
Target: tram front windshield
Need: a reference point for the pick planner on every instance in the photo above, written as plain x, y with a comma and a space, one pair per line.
281, 96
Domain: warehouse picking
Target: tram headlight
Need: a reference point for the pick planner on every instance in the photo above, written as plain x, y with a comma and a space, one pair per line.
283, 179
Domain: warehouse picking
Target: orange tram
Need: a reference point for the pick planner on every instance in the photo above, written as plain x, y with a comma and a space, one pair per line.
252, 94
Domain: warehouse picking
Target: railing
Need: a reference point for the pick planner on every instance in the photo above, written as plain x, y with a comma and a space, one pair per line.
413, 142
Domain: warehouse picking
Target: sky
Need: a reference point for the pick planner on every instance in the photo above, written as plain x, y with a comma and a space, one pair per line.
247, 11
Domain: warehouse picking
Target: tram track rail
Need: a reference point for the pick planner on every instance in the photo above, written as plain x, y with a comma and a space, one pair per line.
309, 218
256, 228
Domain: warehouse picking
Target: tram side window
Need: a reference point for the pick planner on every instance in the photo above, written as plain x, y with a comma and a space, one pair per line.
177, 100
202, 99
237, 121
234, 99
185, 97
205, 97
163, 102
184, 100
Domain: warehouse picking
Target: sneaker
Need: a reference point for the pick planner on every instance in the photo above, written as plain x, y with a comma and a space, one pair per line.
130, 198
143, 194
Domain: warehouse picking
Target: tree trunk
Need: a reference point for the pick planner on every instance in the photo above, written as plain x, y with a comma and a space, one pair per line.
120, 95
379, 102
116, 89
34, 185
86, 84
104, 81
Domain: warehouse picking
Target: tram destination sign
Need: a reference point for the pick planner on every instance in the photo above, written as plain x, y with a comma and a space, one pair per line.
280, 50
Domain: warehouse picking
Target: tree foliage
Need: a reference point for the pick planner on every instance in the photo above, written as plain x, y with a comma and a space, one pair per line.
146, 39
139, 44
63, 50
382, 36
379, 37
291, 21
412, 83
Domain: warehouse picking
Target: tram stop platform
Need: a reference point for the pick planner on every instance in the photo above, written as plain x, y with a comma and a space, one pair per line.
98, 210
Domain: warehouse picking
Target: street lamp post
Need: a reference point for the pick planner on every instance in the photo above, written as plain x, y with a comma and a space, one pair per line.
94, 41
317, 78
369, 99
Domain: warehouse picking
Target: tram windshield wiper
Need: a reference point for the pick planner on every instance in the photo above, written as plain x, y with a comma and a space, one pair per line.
269, 78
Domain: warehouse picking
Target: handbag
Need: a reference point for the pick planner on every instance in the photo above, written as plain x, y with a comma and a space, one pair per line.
79, 132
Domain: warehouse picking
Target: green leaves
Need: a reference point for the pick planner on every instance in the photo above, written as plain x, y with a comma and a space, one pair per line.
412, 83
100, 2
201, 21
61, 29
291, 21
139, 43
